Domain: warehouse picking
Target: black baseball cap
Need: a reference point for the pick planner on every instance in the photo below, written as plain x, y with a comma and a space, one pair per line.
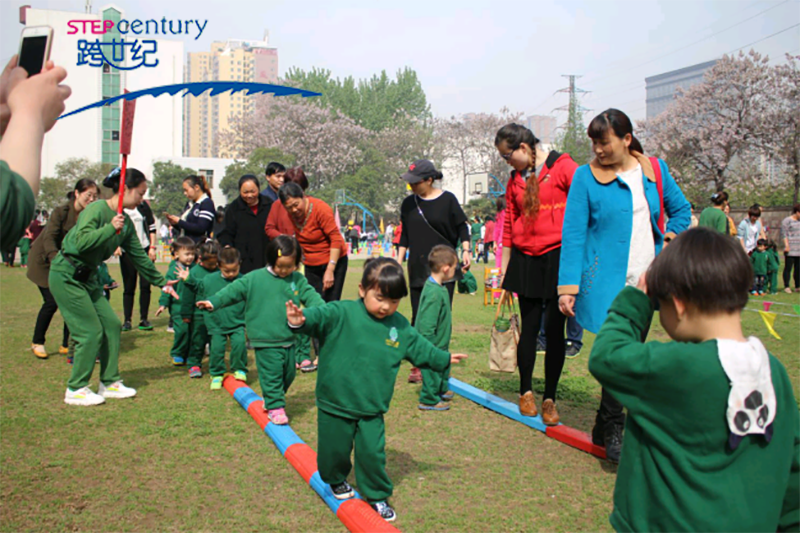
421, 169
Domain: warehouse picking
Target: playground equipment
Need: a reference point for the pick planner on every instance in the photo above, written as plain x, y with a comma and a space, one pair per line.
343, 199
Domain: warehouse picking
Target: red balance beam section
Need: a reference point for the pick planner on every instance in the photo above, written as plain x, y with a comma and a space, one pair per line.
575, 438
355, 514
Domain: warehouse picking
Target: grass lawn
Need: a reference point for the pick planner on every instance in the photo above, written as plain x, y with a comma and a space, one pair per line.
179, 457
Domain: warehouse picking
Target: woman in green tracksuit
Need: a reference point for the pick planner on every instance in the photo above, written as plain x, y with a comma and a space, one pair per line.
74, 283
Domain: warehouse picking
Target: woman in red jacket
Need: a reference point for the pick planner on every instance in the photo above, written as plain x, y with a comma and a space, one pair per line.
536, 196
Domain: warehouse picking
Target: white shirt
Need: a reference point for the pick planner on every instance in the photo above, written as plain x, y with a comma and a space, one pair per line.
138, 224
643, 247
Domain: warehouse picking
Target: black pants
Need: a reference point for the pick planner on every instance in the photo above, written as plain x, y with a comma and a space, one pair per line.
129, 275
354, 244
416, 292
531, 320
792, 262
9, 255
46, 312
315, 274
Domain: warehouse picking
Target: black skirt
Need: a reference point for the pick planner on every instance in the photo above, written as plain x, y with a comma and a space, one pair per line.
533, 277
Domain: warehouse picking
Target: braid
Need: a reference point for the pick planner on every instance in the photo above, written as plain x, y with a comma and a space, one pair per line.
531, 201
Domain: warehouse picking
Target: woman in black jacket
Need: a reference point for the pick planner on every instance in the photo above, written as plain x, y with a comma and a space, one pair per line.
197, 219
245, 219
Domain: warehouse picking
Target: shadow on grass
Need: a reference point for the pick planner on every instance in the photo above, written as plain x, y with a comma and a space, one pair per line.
401, 464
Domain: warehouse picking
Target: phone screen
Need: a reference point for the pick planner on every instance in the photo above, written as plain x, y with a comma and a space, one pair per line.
31, 57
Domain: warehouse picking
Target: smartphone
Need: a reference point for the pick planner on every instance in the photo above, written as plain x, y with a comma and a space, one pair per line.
34, 48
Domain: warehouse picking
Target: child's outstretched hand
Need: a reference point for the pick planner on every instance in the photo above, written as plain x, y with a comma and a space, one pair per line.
456, 358
160, 310
294, 314
642, 285
205, 305
169, 290
181, 272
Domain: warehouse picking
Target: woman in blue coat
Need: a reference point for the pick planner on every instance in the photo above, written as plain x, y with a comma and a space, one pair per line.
610, 236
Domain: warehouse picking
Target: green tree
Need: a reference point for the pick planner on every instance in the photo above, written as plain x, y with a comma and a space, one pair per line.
572, 138
167, 193
53, 190
256, 164
482, 207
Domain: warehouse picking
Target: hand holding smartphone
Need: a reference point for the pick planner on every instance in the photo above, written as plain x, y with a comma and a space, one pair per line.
34, 48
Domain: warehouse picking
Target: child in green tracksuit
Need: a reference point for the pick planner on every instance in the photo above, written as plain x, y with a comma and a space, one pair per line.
264, 293
106, 282
183, 249
362, 343
222, 325
712, 437
207, 263
760, 261
773, 266
25, 247
434, 323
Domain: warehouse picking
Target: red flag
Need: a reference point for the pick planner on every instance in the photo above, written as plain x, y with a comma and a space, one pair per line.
125, 135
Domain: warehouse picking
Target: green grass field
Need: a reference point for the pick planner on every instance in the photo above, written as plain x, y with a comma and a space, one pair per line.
182, 458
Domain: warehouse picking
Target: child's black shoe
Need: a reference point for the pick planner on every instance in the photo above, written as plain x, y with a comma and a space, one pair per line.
342, 491
384, 510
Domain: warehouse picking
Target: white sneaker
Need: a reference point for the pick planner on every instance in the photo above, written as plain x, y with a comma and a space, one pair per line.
117, 390
83, 397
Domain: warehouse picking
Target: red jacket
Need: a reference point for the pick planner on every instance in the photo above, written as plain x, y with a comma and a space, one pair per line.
538, 236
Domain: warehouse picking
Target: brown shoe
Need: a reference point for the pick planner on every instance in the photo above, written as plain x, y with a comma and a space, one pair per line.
527, 405
549, 413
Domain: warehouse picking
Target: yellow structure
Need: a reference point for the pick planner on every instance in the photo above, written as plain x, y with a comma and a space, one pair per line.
206, 117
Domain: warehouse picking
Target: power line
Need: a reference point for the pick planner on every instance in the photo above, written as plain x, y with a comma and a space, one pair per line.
765, 38
701, 40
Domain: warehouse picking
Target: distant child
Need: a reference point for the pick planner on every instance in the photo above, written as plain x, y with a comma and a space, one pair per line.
222, 325
104, 278
712, 419
207, 264
24, 245
773, 266
183, 250
760, 261
434, 323
264, 293
362, 343
468, 285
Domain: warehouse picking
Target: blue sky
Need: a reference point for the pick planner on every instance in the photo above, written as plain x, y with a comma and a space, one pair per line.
479, 56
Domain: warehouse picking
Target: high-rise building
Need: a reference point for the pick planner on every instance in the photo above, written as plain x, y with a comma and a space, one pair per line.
94, 134
662, 88
206, 117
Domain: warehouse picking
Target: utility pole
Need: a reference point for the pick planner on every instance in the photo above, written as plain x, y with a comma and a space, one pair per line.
574, 139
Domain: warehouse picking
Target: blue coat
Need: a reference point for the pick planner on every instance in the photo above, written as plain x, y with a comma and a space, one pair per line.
596, 236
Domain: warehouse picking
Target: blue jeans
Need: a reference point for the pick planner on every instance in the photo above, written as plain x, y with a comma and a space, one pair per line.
574, 333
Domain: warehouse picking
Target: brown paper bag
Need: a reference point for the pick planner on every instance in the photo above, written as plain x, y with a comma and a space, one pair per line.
503, 349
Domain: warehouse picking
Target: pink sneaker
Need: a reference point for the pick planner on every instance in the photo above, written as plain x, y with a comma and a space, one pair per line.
278, 416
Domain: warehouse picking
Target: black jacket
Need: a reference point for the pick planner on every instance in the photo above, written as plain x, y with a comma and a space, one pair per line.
245, 232
200, 221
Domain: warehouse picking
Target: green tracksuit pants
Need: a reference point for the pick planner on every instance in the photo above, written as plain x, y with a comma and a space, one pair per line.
199, 340
92, 324
302, 348
335, 439
181, 338
216, 352
772, 282
434, 385
276, 372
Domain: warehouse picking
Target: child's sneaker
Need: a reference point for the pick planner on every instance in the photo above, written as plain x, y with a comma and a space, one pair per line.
439, 407
342, 491
178, 361
83, 397
278, 416
170, 330
70, 359
216, 382
195, 372
447, 395
307, 367
384, 510
240, 375
117, 390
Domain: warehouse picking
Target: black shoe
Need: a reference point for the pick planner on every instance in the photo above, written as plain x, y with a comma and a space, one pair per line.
613, 440
126, 326
571, 350
145, 325
541, 348
342, 491
597, 435
384, 510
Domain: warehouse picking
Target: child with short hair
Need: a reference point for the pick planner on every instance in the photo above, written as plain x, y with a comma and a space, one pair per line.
222, 325
264, 293
207, 263
712, 439
25, 247
434, 323
183, 251
362, 343
773, 266
760, 261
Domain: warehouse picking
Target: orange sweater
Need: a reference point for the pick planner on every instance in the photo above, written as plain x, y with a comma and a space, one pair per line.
319, 234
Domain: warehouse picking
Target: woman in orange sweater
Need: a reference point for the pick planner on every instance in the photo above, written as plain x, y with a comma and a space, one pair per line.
315, 228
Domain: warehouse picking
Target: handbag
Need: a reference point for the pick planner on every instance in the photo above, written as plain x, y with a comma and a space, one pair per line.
505, 336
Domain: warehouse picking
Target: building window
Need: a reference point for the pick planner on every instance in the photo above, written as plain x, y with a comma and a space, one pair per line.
115, 135
208, 174
106, 68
